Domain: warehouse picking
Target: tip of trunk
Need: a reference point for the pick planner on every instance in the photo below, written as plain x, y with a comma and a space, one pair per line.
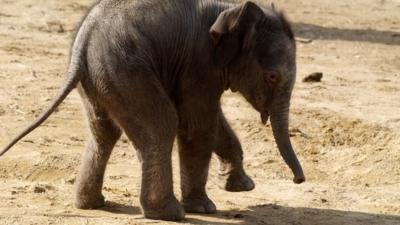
280, 128
299, 179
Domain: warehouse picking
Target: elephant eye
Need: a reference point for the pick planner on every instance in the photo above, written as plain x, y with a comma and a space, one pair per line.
272, 77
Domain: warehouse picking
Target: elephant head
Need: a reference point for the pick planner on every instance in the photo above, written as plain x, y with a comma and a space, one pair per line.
255, 48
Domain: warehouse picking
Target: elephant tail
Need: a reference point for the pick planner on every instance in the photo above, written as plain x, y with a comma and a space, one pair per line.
75, 73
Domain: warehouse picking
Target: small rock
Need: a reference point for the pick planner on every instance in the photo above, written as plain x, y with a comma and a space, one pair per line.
33, 73
238, 216
304, 40
127, 194
324, 200
46, 99
314, 77
39, 189
70, 180
294, 131
61, 29
13, 192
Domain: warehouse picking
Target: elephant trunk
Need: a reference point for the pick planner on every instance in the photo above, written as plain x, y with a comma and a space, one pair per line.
279, 117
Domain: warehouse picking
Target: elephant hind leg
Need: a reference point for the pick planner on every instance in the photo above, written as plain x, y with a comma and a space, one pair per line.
149, 119
104, 133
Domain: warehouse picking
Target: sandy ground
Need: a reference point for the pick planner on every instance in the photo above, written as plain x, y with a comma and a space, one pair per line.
345, 129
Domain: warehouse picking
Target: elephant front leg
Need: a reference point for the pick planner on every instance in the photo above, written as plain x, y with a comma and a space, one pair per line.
230, 154
195, 152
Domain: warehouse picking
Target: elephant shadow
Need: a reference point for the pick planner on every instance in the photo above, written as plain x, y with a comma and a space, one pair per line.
317, 32
118, 208
272, 214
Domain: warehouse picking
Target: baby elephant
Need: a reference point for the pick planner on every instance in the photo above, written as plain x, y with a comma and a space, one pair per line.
156, 70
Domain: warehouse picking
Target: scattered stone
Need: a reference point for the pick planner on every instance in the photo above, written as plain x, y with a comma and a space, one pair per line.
6, 15
61, 28
294, 131
238, 216
304, 40
70, 180
383, 80
323, 200
76, 139
39, 189
15, 61
46, 99
314, 77
13, 192
33, 73
53, 26
127, 194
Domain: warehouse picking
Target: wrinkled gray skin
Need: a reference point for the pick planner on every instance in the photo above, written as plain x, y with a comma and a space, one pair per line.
156, 69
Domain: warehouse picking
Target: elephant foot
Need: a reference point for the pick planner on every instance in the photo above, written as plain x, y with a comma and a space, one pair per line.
204, 205
236, 182
89, 201
172, 211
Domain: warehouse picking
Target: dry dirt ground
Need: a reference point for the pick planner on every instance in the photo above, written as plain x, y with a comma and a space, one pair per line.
346, 129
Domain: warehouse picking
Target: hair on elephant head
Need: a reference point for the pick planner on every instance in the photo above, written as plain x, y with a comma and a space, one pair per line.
257, 47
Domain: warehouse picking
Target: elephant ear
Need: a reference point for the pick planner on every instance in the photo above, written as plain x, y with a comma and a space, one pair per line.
232, 30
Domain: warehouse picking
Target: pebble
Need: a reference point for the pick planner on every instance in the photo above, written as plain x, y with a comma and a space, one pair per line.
38, 189
314, 77
238, 216
70, 180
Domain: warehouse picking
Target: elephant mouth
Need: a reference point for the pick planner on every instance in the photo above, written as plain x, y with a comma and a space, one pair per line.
264, 117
